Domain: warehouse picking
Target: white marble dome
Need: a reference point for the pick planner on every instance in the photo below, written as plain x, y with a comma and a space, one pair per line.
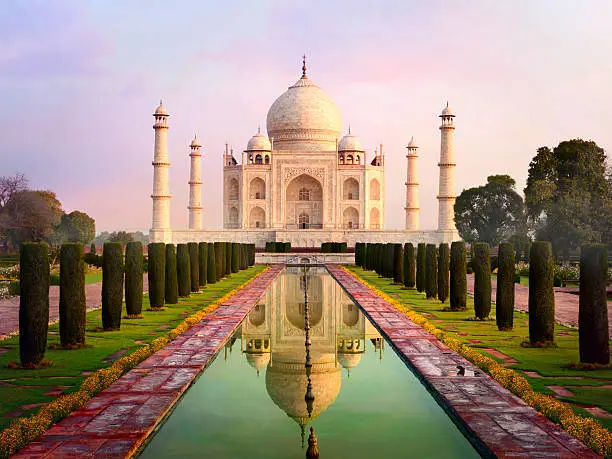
161, 110
259, 142
447, 111
349, 143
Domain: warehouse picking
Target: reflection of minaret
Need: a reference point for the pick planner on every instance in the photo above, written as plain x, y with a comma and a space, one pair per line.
313, 451
309, 397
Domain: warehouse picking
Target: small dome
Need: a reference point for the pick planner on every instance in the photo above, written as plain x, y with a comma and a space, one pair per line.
447, 111
161, 110
348, 361
412, 143
195, 143
258, 361
259, 142
349, 143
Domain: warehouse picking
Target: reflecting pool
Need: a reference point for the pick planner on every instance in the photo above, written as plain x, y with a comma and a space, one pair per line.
304, 357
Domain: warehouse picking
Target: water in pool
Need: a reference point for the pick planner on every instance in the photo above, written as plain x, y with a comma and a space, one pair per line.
307, 357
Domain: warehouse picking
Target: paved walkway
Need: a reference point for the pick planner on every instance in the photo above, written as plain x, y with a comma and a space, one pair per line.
566, 304
502, 424
116, 421
9, 307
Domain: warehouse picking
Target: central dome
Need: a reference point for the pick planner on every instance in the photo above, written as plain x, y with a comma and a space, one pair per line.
304, 118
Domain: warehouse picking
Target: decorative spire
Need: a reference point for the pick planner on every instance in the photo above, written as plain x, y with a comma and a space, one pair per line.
304, 66
349, 128
259, 129
313, 451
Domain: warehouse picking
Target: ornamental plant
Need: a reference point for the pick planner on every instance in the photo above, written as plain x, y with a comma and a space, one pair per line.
593, 306
481, 262
157, 274
541, 295
398, 264
133, 278
219, 257
171, 290
504, 298
72, 305
409, 266
211, 268
112, 285
443, 271
203, 262
420, 267
431, 269
236, 252
33, 302
194, 266
183, 269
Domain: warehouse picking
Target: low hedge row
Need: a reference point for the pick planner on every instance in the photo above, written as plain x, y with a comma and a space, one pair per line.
278, 247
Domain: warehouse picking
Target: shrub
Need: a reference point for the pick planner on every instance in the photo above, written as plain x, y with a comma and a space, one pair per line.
92, 249
211, 269
593, 310
112, 285
157, 274
183, 269
203, 262
13, 288
409, 266
443, 271
33, 302
420, 267
219, 257
398, 263
458, 279
481, 259
504, 298
270, 247
236, 252
228, 259
171, 290
133, 278
194, 266
541, 296
431, 268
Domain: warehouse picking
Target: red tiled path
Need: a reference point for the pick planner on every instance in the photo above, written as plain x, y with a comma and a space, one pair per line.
502, 423
566, 304
117, 420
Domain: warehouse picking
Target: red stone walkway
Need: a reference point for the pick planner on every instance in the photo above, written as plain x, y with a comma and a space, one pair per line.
501, 423
117, 420
566, 304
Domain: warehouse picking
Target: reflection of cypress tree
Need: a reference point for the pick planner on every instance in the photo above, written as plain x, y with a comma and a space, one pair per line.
133, 278
183, 270
420, 267
194, 266
458, 277
431, 268
481, 262
171, 292
219, 257
203, 261
157, 274
443, 271
211, 269
504, 299
409, 266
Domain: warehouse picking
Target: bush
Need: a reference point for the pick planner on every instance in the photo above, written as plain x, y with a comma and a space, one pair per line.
481, 259
458, 277
194, 266
270, 247
183, 269
133, 278
211, 269
171, 290
157, 274
420, 267
593, 310
112, 285
398, 264
219, 257
443, 271
54, 279
13, 288
494, 263
431, 268
92, 249
203, 262
541, 296
228, 259
236, 252
504, 298
33, 302
409, 266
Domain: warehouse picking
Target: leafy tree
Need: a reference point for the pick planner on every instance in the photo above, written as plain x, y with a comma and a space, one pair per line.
490, 213
121, 236
9, 185
76, 227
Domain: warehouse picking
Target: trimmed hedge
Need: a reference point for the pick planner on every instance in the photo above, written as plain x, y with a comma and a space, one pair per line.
133, 278
359, 246
219, 257
398, 264
504, 298
236, 255
194, 266
203, 262
541, 294
389, 259
278, 247
420, 267
458, 276
409, 266
251, 252
183, 269
593, 308
33, 302
431, 268
211, 268
228, 258
171, 290
481, 259
244, 256
157, 274
112, 285
443, 271
72, 304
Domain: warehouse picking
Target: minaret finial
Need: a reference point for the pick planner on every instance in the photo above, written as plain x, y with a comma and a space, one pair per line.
259, 129
447, 104
160, 101
349, 128
304, 66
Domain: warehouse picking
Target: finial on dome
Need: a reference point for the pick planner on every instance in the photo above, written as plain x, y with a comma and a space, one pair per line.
313, 450
259, 129
304, 66
349, 128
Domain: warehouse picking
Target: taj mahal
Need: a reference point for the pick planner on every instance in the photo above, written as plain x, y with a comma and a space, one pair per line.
304, 182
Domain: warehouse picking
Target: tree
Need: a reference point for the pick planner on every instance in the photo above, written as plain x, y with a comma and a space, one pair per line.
120, 236
76, 227
9, 185
491, 213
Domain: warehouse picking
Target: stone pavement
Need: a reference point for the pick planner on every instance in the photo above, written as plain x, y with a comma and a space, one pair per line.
9, 307
500, 424
566, 304
115, 422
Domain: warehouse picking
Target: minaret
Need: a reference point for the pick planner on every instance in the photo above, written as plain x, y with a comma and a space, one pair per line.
446, 190
412, 188
160, 228
195, 187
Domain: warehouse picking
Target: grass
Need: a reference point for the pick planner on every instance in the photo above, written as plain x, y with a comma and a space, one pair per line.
20, 387
93, 277
547, 362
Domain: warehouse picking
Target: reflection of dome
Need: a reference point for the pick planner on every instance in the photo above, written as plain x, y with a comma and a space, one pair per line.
295, 314
350, 314
349, 143
259, 142
258, 361
349, 361
257, 316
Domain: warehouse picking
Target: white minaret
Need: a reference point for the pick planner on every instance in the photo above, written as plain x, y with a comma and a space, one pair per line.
412, 188
195, 187
446, 191
160, 229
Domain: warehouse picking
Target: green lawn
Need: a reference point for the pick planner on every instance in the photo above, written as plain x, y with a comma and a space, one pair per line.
29, 387
586, 386
93, 277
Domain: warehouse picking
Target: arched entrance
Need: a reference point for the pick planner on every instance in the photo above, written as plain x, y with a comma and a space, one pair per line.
350, 218
304, 203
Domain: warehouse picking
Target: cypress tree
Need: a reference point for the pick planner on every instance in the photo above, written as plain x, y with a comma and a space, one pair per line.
194, 266
183, 269
409, 266
228, 258
112, 285
244, 256
171, 290
92, 249
72, 305
541, 295
251, 254
431, 269
219, 257
203, 262
398, 263
236, 252
211, 269
157, 274
458, 277
133, 278
389, 258
481, 261
443, 271
504, 298
593, 307
33, 302
380, 269
358, 254
420, 267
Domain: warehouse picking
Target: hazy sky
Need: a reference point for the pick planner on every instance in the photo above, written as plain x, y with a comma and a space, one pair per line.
80, 79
